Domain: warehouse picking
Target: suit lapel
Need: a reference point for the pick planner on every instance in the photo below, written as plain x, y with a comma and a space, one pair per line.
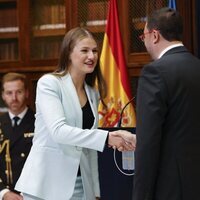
7, 130
22, 128
26, 121
6, 126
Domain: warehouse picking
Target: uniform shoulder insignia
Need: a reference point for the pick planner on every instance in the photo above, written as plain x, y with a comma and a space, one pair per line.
27, 135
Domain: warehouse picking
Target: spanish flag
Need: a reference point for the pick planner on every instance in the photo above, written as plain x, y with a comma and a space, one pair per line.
112, 62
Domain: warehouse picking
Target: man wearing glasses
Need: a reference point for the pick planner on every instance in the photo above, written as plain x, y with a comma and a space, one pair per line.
167, 162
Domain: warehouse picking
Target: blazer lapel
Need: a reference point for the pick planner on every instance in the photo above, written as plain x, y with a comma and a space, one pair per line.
71, 95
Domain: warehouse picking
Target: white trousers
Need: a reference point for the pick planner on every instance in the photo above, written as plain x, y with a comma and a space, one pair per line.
77, 195
78, 190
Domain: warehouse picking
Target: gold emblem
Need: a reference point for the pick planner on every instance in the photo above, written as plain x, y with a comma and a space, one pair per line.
1, 135
27, 135
6, 146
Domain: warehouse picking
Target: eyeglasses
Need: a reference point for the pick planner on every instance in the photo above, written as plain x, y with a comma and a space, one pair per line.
142, 37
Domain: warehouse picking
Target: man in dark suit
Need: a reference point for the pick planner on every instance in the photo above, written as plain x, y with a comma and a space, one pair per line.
16, 133
168, 112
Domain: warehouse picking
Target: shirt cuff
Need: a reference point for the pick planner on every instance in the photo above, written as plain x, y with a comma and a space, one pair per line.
3, 192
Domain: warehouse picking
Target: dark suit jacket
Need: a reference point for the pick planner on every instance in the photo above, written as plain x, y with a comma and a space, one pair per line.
20, 145
168, 129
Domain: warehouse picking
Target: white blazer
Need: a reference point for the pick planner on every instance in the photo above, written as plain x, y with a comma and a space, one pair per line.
59, 143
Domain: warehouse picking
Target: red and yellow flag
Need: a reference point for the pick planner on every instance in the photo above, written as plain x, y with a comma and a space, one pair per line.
114, 70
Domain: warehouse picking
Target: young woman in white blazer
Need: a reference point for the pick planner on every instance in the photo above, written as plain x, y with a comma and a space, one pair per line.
62, 163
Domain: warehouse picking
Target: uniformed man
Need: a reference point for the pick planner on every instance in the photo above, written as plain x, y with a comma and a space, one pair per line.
16, 133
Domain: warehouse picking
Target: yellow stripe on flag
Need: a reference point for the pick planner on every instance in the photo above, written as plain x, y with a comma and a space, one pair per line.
116, 98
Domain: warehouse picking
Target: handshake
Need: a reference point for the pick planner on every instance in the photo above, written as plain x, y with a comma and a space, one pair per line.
122, 140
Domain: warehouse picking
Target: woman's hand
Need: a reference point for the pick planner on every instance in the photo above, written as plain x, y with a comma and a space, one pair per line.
122, 140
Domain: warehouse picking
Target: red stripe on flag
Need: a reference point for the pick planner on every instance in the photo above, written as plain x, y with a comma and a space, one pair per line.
114, 38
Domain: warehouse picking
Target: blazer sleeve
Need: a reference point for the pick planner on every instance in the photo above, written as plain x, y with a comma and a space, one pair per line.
51, 107
151, 110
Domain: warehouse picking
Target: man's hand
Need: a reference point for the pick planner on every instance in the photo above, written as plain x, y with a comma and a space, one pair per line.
122, 140
12, 196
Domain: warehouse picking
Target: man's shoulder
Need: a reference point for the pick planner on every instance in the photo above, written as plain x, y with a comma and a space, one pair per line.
4, 116
30, 113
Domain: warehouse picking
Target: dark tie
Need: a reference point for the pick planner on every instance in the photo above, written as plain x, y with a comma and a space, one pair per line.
16, 119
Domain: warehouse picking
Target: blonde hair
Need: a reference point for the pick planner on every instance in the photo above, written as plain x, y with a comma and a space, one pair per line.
12, 76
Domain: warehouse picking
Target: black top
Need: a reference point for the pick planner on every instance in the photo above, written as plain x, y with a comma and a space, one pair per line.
88, 117
88, 120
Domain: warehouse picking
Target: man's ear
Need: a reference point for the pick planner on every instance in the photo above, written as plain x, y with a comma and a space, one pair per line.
27, 93
156, 36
